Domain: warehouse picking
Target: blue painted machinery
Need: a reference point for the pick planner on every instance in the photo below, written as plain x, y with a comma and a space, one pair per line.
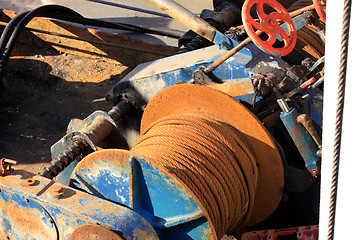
215, 152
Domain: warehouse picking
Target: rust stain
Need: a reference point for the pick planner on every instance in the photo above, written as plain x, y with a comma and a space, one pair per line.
234, 89
30, 182
95, 232
25, 221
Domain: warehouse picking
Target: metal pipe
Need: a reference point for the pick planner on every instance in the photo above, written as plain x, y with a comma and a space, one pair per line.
306, 121
303, 140
302, 10
99, 129
185, 17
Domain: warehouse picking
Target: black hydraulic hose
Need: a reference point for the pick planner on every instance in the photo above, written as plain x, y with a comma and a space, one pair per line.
18, 23
9, 29
130, 8
40, 11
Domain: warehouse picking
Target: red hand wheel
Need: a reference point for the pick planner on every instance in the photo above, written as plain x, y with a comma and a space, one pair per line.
268, 24
320, 9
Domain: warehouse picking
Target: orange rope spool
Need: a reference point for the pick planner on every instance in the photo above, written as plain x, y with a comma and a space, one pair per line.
218, 149
211, 158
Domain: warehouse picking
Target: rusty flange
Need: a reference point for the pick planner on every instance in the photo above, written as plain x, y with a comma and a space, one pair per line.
181, 98
94, 232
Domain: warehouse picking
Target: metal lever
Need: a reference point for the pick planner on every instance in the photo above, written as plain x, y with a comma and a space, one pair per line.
305, 120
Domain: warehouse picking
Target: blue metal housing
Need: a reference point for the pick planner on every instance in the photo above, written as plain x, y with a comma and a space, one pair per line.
302, 139
35, 212
132, 181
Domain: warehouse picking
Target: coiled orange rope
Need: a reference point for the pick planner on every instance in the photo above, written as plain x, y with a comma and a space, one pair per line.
211, 158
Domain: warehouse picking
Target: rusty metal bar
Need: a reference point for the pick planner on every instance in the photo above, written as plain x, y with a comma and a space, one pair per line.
306, 121
302, 10
229, 54
185, 17
5, 166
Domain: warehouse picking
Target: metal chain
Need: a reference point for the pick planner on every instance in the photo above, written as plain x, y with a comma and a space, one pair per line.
339, 117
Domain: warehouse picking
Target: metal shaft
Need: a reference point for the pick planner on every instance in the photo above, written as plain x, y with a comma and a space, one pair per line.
96, 131
227, 55
185, 17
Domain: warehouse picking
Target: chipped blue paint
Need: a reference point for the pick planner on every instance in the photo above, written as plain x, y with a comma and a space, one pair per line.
20, 213
150, 78
74, 128
302, 139
72, 210
146, 189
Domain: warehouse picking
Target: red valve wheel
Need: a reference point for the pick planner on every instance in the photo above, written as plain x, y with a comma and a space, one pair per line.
320, 9
268, 23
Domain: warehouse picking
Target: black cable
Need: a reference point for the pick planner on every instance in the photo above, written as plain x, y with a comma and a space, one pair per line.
196, 43
18, 23
40, 11
9, 29
339, 117
130, 8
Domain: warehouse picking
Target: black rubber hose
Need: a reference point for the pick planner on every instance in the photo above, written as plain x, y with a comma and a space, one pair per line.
40, 11
9, 29
18, 23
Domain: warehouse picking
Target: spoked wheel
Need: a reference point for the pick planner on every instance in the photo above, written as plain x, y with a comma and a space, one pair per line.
320, 6
269, 24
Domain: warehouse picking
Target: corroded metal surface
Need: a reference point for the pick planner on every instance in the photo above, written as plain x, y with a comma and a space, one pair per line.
302, 139
73, 209
24, 218
146, 188
5, 166
94, 232
187, 18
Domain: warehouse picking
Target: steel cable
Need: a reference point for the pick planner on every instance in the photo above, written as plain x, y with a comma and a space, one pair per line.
339, 117
130, 8
211, 158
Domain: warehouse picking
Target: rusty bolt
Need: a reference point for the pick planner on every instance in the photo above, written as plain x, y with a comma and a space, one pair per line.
30, 182
57, 191
315, 172
5, 166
